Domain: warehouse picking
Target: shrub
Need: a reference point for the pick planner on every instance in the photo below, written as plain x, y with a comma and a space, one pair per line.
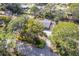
15, 24
40, 43
5, 18
8, 49
7, 44
14, 8
31, 32
2, 35
64, 38
10, 35
32, 29
34, 10
34, 26
49, 15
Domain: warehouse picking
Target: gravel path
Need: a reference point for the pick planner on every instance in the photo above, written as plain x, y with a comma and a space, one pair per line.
29, 50
48, 32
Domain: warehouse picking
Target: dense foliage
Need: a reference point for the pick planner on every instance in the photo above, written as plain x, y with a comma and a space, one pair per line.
15, 8
33, 29
64, 37
74, 9
5, 18
8, 44
8, 37
34, 10
16, 24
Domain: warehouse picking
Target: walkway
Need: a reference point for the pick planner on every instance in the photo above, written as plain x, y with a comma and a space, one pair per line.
29, 50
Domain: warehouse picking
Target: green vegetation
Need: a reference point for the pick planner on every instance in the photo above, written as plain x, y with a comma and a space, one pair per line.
74, 9
64, 37
14, 8
14, 24
6, 19
31, 32
23, 22
39, 43
7, 44
34, 10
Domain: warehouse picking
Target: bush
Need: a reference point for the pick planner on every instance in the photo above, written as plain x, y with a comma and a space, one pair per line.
40, 43
14, 8
15, 24
5, 18
64, 38
10, 35
7, 44
33, 28
2, 35
49, 15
